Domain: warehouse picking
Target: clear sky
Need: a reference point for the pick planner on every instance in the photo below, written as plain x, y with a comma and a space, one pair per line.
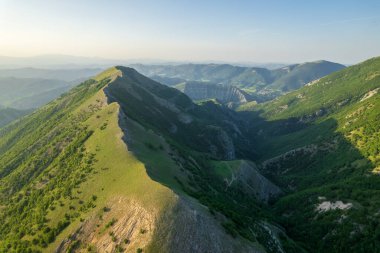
345, 31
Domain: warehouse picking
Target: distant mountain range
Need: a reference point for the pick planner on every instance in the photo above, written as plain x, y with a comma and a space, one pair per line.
54, 61
67, 75
264, 83
26, 89
28, 93
8, 115
69, 61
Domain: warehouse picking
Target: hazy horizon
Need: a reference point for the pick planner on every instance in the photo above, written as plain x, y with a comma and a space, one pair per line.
58, 57
193, 31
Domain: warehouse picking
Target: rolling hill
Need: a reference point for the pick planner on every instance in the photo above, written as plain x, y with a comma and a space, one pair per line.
301, 74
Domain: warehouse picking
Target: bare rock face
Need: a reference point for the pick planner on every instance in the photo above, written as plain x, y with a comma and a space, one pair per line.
224, 94
222, 145
193, 230
328, 205
182, 226
228, 145
125, 223
253, 182
257, 183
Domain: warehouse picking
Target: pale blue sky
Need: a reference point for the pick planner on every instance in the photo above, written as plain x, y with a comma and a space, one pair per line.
345, 31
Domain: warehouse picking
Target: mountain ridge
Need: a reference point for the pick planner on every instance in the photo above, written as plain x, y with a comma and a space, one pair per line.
97, 195
272, 177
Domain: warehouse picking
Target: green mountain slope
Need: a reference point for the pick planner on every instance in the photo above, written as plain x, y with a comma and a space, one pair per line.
122, 163
321, 144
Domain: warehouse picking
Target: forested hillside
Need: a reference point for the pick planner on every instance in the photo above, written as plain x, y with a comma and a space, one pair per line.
321, 144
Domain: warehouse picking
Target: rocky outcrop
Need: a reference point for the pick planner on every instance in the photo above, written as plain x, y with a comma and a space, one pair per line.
224, 94
190, 228
183, 226
227, 144
253, 182
124, 224
369, 94
328, 205
221, 145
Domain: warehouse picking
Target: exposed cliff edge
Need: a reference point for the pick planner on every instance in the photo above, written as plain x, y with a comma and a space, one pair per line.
222, 93
181, 226
254, 183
